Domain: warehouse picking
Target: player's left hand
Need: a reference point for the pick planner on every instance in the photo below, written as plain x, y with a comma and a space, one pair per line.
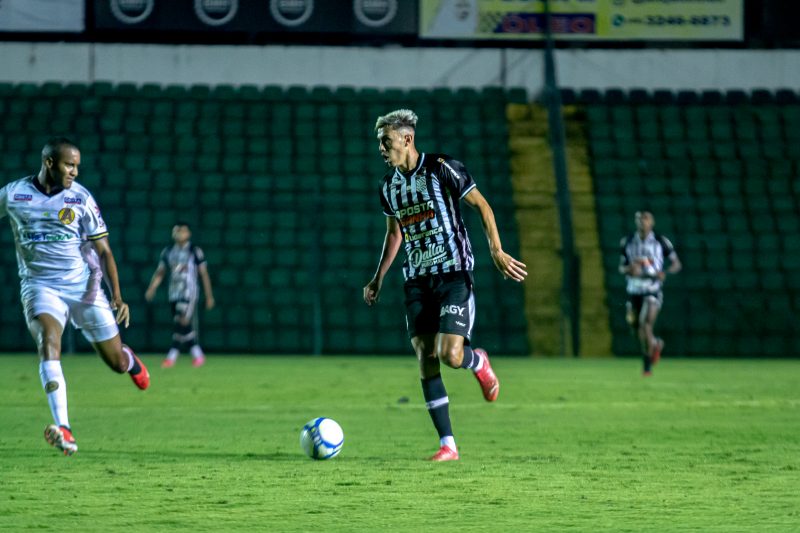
122, 311
210, 303
509, 267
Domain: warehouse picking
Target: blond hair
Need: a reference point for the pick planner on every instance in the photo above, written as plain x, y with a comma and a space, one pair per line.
397, 120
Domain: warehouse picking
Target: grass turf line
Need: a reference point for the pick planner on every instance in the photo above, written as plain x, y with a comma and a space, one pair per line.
708, 445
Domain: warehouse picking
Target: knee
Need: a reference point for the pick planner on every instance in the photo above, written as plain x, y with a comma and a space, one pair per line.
451, 356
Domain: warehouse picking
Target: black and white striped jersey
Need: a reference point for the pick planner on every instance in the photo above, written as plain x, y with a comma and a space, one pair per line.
183, 263
650, 252
426, 203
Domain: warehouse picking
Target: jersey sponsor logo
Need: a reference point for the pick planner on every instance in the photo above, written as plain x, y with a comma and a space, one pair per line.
419, 236
415, 213
23, 197
66, 216
72, 200
419, 258
452, 310
40, 236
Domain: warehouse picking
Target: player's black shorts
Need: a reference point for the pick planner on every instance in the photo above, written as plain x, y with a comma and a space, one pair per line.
635, 301
183, 309
440, 303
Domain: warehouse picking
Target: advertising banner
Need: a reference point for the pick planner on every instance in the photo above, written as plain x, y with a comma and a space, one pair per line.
254, 16
42, 15
612, 20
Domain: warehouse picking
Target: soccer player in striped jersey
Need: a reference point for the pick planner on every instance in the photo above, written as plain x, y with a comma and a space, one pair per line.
184, 261
50, 213
643, 254
421, 198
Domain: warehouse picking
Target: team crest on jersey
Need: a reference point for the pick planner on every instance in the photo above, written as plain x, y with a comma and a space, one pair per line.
66, 215
23, 197
422, 184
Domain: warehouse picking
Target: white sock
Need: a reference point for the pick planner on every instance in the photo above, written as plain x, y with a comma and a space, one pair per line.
56, 388
196, 351
127, 351
448, 441
172, 354
480, 363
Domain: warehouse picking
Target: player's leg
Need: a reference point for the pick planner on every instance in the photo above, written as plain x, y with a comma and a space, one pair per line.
99, 326
435, 394
45, 315
198, 356
650, 310
456, 319
422, 320
175, 347
633, 314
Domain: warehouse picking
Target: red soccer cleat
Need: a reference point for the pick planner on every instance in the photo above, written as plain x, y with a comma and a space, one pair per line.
647, 373
61, 437
142, 379
198, 361
167, 363
445, 453
488, 381
656, 356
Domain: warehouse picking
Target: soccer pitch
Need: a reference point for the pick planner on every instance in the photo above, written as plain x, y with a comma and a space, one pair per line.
570, 445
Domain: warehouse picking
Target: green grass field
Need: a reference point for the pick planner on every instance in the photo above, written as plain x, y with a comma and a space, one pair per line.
703, 445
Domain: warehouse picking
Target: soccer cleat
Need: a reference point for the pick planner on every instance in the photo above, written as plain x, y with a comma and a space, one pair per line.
168, 363
647, 373
61, 437
445, 453
142, 379
485, 376
656, 357
198, 361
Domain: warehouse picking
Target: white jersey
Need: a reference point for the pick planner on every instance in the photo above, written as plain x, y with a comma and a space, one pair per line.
48, 228
650, 253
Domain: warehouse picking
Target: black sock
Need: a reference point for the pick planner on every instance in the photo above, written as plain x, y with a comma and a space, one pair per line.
136, 368
647, 363
438, 404
470, 358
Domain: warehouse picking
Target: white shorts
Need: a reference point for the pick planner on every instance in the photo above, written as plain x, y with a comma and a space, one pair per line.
86, 307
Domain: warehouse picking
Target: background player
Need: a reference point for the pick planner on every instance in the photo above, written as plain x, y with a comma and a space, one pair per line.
421, 200
642, 262
49, 213
184, 261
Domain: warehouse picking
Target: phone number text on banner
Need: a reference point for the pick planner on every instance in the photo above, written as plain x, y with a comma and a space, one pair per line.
690, 20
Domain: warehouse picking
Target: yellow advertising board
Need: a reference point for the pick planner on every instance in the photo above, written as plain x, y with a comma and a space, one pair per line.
614, 20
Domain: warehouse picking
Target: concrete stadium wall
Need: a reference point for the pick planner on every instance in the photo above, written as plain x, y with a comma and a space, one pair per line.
397, 67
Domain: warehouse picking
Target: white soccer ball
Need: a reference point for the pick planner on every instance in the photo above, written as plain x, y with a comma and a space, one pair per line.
322, 438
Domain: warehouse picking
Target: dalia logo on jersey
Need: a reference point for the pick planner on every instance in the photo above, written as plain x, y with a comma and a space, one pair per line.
66, 215
72, 200
23, 197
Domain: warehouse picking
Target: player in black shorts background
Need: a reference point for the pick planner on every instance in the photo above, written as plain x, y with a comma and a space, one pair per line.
642, 257
421, 198
184, 262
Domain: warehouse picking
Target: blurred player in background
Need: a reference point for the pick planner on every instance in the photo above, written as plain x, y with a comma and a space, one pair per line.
421, 198
49, 214
184, 261
643, 254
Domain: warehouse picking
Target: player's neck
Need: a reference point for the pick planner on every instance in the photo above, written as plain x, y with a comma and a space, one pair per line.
47, 186
412, 158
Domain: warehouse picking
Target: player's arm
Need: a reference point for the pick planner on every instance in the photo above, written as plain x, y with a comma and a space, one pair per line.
626, 266
155, 281
391, 244
206, 279
106, 256
507, 265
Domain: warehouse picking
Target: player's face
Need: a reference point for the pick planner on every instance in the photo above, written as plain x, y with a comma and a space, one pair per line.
63, 169
393, 146
181, 234
644, 221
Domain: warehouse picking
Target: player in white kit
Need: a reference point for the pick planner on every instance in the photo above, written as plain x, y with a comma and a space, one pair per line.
49, 213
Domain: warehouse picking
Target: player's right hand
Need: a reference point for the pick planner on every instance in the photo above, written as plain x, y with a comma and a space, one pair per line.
149, 295
371, 291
